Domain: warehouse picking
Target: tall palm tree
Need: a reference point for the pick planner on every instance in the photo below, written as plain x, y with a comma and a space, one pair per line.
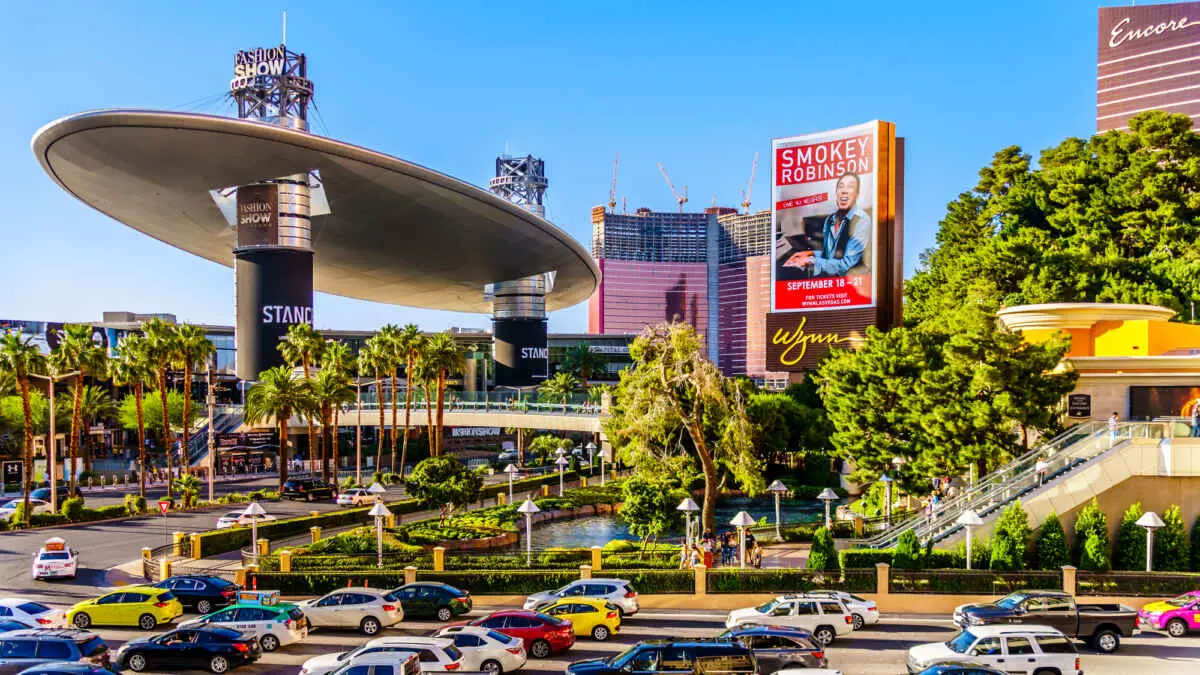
583, 362
373, 360
194, 350
302, 347
277, 396
446, 359
162, 349
132, 369
409, 345
389, 335
426, 377
20, 357
337, 357
559, 388
77, 352
331, 390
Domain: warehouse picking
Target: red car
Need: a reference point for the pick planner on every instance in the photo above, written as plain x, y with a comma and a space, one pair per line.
542, 634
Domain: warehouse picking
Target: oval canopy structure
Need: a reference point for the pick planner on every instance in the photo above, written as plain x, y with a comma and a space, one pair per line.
396, 232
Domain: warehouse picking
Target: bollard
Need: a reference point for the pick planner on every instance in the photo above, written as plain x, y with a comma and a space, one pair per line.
501, 499
315, 533
285, 560
545, 490
410, 574
883, 580
585, 571
177, 543
597, 558
146, 552
701, 579
196, 539
858, 526
164, 567
583, 481
439, 558
389, 521
314, 514
264, 546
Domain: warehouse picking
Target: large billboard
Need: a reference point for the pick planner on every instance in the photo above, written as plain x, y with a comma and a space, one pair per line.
274, 291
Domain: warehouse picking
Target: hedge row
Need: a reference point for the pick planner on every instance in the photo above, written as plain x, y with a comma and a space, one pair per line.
804, 532
234, 538
784, 580
319, 583
936, 559
1156, 584
503, 581
525, 484
972, 581
657, 581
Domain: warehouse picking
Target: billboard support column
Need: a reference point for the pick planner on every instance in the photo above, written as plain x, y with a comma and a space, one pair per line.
520, 347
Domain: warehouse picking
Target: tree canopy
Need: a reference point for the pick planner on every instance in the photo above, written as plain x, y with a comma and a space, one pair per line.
437, 481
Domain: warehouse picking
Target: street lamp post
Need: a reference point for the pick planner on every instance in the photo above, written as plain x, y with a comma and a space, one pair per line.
742, 520
828, 496
377, 490
562, 464
511, 470
379, 512
887, 498
605, 455
253, 511
968, 519
358, 434
898, 463
52, 436
688, 506
211, 399
778, 489
528, 508
1151, 522
591, 450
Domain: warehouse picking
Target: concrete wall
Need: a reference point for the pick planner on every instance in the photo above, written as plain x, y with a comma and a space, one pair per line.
1155, 493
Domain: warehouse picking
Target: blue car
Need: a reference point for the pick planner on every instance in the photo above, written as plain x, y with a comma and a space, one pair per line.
66, 668
960, 669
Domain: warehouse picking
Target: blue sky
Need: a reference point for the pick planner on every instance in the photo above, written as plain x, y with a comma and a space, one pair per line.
699, 86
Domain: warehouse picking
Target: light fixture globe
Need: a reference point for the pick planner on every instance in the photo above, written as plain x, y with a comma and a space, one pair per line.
688, 505
828, 495
1150, 521
562, 461
777, 487
742, 519
511, 469
254, 509
528, 506
376, 489
379, 511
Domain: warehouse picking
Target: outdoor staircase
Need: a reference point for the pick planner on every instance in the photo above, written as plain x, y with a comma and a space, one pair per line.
1069, 454
223, 422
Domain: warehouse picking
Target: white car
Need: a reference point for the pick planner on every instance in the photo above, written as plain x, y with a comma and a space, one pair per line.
617, 591
55, 560
824, 617
808, 671
1010, 648
275, 626
8, 510
382, 663
433, 654
32, 613
485, 650
862, 611
363, 608
355, 497
240, 519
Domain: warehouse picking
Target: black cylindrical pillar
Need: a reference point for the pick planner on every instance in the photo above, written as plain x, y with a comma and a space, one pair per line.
274, 291
521, 352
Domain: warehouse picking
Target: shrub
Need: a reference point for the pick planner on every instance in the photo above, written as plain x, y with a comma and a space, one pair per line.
110, 511
135, 504
72, 508
443, 480
1091, 521
860, 558
1129, 553
44, 519
1094, 557
1171, 549
908, 552
1008, 542
823, 555
1195, 546
221, 541
786, 580
1050, 551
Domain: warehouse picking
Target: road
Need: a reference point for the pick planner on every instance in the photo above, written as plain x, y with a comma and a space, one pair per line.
877, 650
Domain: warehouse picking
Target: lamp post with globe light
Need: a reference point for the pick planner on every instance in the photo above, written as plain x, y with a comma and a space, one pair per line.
741, 521
379, 512
778, 489
688, 506
591, 450
828, 495
887, 498
605, 455
511, 470
1151, 522
562, 465
376, 490
528, 508
968, 519
253, 511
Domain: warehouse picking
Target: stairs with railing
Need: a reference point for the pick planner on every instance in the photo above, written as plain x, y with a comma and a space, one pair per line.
223, 422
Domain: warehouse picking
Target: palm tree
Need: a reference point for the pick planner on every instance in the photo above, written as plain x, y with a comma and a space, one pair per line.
194, 350
425, 376
373, 361
339, 358
389, 335
132, 369
583, 362
188, 486
20, 357
76, 351
162, 350
446, 359
277, 395
409, 345
559, 387
330, 390
96, 404
302, 347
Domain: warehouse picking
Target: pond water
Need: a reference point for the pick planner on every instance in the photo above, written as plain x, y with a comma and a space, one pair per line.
599, 530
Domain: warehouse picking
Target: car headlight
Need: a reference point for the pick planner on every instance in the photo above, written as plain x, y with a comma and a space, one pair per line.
974, 620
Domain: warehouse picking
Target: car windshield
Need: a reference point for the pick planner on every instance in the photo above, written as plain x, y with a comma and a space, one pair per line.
234, 515
765, 607
961, 642
855, 598
56, 555
623, 656
295, 614
561, 591
1011, 600
1183, 600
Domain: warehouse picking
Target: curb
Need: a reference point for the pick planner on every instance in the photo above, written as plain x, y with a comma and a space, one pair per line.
148, 514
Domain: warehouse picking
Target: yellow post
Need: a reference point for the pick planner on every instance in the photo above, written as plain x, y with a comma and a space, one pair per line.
264, 546
858, 526
597, 558
147, 552
583, 481
439, 558
585, 571
239, 577
177, 543
545, 490
501, 499
314, 513
315, 533
196, 553
164, 567
389, 520
883, 578
410, 574
1068, 572
285, 561
701, 580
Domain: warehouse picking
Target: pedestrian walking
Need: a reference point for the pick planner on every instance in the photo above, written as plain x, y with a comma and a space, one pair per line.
1040, 468
1196, 418
1113, 422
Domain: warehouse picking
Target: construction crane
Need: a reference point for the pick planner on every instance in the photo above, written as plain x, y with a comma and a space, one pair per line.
612, 191
750, 185
680, 199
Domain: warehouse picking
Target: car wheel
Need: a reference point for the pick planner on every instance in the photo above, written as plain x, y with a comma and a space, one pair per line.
369, 626
269, 643
204, 607
859, 622
540, 649
491, 666
824, 635
147, 622
444, 614
137, 663
1177, 628
82, 620
1106, 642
218, 664
1045, 671
601, 633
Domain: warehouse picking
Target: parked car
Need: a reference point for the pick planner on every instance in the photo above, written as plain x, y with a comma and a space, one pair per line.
1020, 649
1177, 616
55, 560
62, 491
34, 646
958, 668
617, 591
211, 648
366, 609
275, 625
379, 663
824, 617
485, 650
143, 606
598, 618
36, 506
778, 648
33, 613
66, 668
355, 497
12, 624
808, 671
200, 592
1100, 625
432, 599
507, 457
308, 489
542, 634
433, 654
240, 519
863, 612
683, 656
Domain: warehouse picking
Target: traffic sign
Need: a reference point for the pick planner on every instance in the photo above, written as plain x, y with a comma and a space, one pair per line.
164, 506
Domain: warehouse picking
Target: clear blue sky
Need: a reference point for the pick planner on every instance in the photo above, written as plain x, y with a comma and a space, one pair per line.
699, 85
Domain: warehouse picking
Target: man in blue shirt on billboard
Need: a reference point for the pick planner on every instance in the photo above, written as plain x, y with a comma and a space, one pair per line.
846, 236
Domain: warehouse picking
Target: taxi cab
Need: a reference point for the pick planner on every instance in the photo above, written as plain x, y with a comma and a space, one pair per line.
143, 606
596, 617
259, 613
55, 560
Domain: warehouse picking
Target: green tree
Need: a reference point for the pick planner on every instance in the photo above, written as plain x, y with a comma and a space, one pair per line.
95, 405
1091, 523
337, 357
20, 358
277, 396
823, 554
301, 348
545, 446
581, 361
674, 410
127, 411
559, 388
330, 390
444, 359
188, 486
648, 506
1129, 553
907, 555
193, 350
437, 481
77, 352
779, 423
1050, 552
409, 345
1010, 537
389, 335
1094, 556
374, 360
132, 369
1172, 550
12, 414
162, 352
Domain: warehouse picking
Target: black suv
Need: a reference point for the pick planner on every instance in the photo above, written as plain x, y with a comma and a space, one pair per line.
681, 657
308, 489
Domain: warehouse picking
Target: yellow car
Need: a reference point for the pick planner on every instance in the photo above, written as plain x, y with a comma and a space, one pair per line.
142, 606
589, 616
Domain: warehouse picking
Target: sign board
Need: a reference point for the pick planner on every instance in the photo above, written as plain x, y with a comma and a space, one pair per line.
14, 473
258, 215
467, 432
164, 506
1079, 405
258, 597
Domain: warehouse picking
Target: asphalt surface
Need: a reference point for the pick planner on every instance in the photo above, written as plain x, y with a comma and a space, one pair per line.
876, 650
